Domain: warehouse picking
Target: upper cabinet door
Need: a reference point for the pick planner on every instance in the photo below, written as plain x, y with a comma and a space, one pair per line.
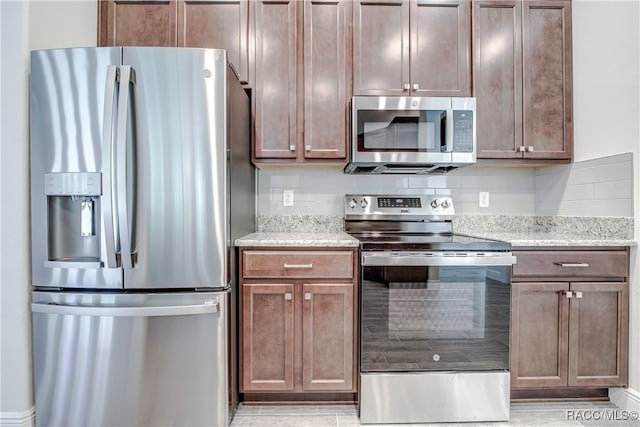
327, 78
440, 48
275, 82
548, 128
381, 47
220, 24
497, 71
137, 23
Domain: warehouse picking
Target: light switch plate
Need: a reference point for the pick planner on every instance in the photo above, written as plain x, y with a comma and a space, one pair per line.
287, 198
483, 199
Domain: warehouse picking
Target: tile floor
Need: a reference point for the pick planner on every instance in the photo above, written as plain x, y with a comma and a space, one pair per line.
596, 414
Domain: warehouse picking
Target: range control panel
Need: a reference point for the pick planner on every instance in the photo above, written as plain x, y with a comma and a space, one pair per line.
397, 206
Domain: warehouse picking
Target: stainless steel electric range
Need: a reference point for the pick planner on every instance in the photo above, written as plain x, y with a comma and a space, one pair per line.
434, 313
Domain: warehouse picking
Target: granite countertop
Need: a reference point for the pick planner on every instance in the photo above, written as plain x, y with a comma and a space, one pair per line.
549, 231
284, 239
543, 238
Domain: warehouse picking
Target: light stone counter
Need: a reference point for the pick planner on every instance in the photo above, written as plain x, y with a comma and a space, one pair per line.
283, 239
519, 230
542, 238
549, 230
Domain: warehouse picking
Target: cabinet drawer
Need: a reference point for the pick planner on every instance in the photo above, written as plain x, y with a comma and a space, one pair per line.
571, 264
323, 264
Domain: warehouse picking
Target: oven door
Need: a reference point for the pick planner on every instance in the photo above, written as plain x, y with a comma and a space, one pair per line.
434, 311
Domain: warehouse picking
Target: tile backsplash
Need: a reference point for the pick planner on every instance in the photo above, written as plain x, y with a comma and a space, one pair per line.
601, 187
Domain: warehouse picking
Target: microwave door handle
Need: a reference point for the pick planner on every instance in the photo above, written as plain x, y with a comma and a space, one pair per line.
109, 222
127, 80
449, 131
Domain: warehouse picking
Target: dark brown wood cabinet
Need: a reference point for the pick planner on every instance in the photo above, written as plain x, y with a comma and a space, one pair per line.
522, 79
569, 319
411, 47
302, 80
222, 24
298, 323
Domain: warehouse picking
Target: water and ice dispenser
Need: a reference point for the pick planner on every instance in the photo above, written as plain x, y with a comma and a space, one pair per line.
73, 207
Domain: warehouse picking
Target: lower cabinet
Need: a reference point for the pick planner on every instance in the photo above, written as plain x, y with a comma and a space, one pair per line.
298, 333
569, 319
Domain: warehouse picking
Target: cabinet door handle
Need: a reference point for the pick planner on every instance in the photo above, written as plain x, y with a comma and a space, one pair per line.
298, 265
530, 148
288, 296
569, 294
407, 86
416, 86
307, 296
578, 294
292, 147
521, 148
572, 264
307, 147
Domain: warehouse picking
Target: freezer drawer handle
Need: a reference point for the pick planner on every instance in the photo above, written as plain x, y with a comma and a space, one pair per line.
177, 310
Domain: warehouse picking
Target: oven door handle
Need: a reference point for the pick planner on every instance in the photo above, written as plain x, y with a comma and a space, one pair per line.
377, 259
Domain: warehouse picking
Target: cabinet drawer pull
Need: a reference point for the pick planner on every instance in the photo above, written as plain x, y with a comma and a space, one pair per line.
288, 296
572, 264
298, 266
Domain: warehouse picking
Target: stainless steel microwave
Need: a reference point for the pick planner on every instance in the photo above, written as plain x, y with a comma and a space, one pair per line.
411, 135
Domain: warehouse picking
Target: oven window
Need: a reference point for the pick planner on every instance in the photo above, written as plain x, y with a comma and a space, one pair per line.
412, 131
435, 318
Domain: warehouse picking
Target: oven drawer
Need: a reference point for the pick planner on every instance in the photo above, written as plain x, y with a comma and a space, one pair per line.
571, 264
324, 264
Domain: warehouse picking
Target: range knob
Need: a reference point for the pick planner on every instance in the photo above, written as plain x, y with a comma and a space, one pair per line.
435, 203
364, 203
446, 203
353, 203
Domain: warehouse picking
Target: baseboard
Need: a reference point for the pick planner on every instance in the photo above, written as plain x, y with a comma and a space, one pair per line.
18, 419
627, 399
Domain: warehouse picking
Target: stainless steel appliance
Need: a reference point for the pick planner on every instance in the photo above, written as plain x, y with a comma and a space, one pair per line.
411, 135
434, 313
140, 181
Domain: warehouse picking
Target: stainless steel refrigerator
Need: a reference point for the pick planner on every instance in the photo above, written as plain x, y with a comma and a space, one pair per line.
140, 182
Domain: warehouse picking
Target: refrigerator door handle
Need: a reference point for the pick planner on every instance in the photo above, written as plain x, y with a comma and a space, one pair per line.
108, 203
208, 307
127, 79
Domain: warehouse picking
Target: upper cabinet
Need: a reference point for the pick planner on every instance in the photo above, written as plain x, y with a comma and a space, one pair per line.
411, 47
222, 24
523, 79
302, 88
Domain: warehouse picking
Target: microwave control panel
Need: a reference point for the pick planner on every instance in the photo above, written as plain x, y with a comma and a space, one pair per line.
463, 131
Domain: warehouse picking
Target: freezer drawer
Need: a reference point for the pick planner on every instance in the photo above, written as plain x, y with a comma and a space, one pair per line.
130, 359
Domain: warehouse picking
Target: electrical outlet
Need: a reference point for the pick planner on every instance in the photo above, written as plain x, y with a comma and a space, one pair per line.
483, 199
287, 198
